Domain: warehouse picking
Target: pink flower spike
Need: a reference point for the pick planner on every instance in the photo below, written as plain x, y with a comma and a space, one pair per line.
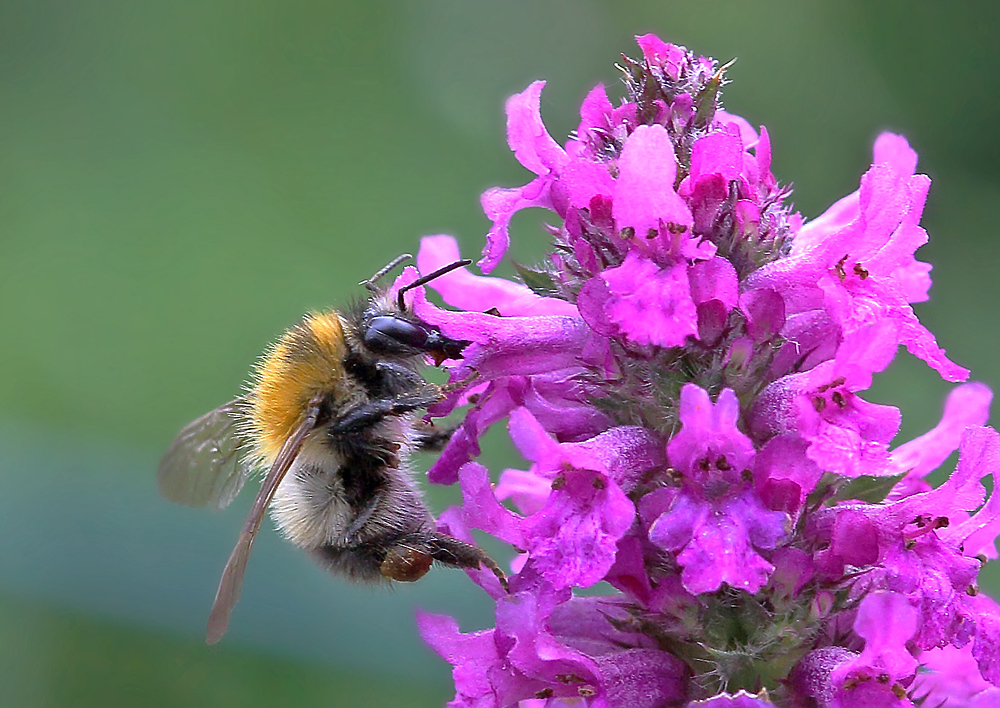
684, 372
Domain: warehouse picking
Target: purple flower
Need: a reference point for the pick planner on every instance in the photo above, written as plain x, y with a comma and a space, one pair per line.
546, 646
856, 261
641, 303
885, 621
572, 534
715, 520
845, 434
683, 375
537, 151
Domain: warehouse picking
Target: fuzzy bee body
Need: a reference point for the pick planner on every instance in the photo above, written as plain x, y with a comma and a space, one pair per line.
333, 413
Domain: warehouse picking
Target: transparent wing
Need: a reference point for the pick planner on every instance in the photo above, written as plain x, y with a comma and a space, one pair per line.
205, 464
232, 577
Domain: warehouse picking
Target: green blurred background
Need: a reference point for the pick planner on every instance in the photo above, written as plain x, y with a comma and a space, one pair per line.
181, 180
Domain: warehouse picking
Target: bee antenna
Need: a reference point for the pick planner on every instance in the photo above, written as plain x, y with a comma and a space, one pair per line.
428, 278
370, 283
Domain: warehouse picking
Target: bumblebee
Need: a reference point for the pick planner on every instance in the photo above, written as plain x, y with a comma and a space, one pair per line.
333, 413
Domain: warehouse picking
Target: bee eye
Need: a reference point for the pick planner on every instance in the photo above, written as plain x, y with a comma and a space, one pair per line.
394, 335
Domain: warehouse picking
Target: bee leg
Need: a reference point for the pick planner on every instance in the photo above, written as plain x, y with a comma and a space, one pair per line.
410, 557
362, 517
431, 438
397, 379
367, 414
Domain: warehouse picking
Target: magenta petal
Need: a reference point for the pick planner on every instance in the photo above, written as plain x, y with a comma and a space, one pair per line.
650, 305
886, 621
737, 125
591, 301
661, 54
834, 221
629, 573
531, 439
967, 405
979, 451
643, 678
482, 508
529, 491
793, 569
574, 538
978, 456
584, 180
851, 538
762, 152
714, 279
765, 312
563, 406
493, 405
921, 343
510, 346
473, 655
644, 195
986, 648
672, 517
500, 205
594, 111
736, 700
717, 153
717, 542
950, 675
720, 552
533, 651
625, 453
895, 150
709, 428
466, 291
783, 459
526, 134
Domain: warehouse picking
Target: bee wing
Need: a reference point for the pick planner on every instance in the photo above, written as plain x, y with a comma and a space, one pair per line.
232, 577
205, 465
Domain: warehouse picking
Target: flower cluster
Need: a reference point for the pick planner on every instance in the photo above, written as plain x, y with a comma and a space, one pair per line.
683, 375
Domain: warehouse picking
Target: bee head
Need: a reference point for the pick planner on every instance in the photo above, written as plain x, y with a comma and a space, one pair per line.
398, 332
401, 335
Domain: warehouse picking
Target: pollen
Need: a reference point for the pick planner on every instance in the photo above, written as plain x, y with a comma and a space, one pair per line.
307, 361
